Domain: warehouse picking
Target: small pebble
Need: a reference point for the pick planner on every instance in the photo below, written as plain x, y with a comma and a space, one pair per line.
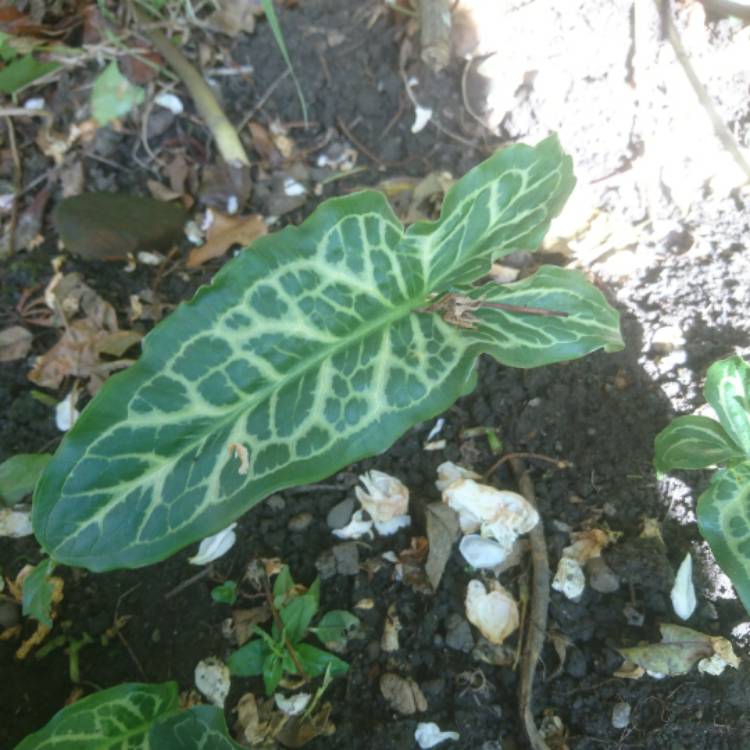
300, 522
620, 715
458, 634
601, 576
341, 513
9, 614
276, 502
326, 565
347, 558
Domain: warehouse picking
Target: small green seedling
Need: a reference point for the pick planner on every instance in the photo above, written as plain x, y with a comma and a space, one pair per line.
282, 652
226, 593
698, 442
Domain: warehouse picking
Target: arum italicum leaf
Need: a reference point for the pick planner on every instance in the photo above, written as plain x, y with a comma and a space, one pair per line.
312, 349
728, 391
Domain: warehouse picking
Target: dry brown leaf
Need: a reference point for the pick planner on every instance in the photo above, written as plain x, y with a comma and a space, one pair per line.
15, 343
442, 529
225, 232
403, 695
234, 16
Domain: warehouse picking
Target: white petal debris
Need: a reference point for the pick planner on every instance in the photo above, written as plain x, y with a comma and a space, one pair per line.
15, 523
212, 679
294, 705
722, 658
356, 528
171, 102
495, 613
428, 734
569, 578
213, 547
437, 429
497, 514
448, 472
384, 496
684, 601
386, 528
482, 553
422, 115
66, 413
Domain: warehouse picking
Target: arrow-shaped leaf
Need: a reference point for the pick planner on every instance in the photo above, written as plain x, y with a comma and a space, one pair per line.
693, 442
724, 521
311, 350
728, 391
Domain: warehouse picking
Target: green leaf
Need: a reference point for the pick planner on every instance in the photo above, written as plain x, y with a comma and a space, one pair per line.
728, 391
693, 442
724, 521
198, 728
283, 584
19, 475
315, 661
118, 718
312, 350
226, 593
297, 614
272, 672
22, 72
37, 593
335, 626
113, 95
248, 660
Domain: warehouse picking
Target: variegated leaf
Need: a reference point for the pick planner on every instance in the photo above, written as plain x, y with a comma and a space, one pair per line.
119, 718
728, 391
198, 728
311, 350
724, 521
693, 442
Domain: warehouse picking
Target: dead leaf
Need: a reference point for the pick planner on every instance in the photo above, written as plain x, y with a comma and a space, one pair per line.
403, 695
232, 17
264, 145
225, 232
117, 343
442, 529
15, 343
244, 620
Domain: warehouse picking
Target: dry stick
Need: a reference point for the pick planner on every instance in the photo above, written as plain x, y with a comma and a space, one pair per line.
721, 130
227, 140
536, 630
17, 184
559, 463
435, 23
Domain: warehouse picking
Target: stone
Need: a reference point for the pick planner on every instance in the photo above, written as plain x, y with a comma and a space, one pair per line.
300, 522
458, 635
341, 513
326, 565
276, 503
601, 577
347, 558
620, 715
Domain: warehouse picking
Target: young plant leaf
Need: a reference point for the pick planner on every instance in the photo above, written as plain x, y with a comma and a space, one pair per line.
724, 521
113, 96
38, 591
226, 593
283, 584
312, 350
315, 661
22, 72
693, 442
728, 391
19, 475
273, 670
297, 615
335, 626
248, 660
198, 727
119, 717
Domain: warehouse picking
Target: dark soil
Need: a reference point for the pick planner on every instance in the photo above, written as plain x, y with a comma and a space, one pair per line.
601, 414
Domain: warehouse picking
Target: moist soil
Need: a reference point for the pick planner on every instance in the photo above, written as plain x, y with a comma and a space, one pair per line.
599, 414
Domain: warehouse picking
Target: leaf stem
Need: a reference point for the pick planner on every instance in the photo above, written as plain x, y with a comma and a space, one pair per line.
557, 462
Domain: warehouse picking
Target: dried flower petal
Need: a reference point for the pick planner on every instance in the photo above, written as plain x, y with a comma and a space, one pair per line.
495, 613
384, 496
213, 547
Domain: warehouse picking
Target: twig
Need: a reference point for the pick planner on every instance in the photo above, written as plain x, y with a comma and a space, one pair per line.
361, 146
23, 112
537, 618
721, 130
558, 463
263, 99
227, 140
464, 95
17, 184
189, 582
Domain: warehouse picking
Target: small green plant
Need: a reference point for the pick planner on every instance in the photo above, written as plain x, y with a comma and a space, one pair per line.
226, 593
282, 652
133, 716
316, 347
699, 442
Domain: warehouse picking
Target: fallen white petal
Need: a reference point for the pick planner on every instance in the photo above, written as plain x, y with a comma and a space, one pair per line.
422, 115
66, 412
495, 613
34, 104
391, 526
294, 704
714, 665
212, 679
448, 472
150, 259
15, 523
437, 429
171, 102
428, 734
683, 591
293, 188
356, 528
482, 553
569, 578
384, 496
213, 547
